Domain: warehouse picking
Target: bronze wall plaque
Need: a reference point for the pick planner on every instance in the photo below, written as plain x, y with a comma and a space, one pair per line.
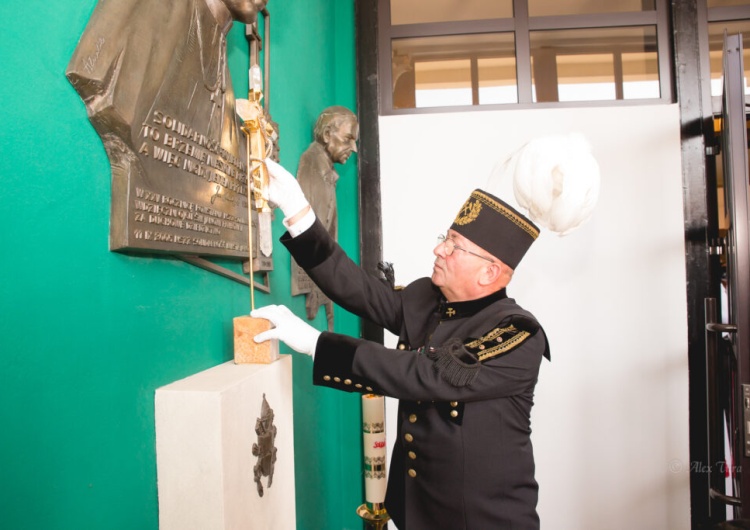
156, 84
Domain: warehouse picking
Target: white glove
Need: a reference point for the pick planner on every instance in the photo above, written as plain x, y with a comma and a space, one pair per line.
284, 190
297, 334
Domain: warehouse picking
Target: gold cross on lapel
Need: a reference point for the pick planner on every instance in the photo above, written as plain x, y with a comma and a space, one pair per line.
450, 312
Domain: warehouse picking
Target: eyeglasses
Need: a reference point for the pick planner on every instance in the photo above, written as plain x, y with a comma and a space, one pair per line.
450, 246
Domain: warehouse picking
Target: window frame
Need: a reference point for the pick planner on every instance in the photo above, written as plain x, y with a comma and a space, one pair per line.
521, 25
717, 15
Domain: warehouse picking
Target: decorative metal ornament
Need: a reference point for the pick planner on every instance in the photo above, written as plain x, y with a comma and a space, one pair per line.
265, 448
336, 133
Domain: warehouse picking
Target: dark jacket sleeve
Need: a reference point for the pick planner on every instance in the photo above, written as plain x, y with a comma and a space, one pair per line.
342, 280
333, 364
343, 362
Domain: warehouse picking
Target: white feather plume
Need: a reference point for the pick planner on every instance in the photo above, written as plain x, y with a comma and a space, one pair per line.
555, 179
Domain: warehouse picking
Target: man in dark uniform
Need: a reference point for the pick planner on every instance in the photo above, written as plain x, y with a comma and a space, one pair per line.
464, 370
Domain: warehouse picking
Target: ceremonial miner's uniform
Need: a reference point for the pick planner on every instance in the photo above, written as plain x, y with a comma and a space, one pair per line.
464, 373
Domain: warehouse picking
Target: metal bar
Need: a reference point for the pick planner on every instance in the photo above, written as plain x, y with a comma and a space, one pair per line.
663, 43
721, 328
726, 499
368, 110
374, 30
267, 60
463, 27
523, 52
695, 125
474, 80
497, 25
728, 13
619, 79
594, 20
204, 264
734, 149
714, 422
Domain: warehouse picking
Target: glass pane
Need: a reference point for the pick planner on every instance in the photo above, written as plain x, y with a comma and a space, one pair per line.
443, 83
541, 8
727, 3
716, 46
423, 11
586, 77
454, 70
640, 75
594, 64
497, 80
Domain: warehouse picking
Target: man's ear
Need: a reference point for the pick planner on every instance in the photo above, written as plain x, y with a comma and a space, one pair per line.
490, 273
493, 273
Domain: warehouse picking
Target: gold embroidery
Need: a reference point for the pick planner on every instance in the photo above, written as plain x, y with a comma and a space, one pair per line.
503, 210
468, 213
503, 346
450, 312
492, 335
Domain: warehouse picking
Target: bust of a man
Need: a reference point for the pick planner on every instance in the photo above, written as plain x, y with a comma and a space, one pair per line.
335, 138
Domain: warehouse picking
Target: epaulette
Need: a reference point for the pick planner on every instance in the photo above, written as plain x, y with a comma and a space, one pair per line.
504, 338
459, 362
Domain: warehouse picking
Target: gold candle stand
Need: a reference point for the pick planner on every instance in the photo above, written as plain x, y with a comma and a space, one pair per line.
374, 515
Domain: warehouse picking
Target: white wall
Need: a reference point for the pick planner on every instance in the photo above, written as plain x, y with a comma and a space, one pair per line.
610, 424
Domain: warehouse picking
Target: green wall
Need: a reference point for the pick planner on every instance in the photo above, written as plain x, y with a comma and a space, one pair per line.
87, 335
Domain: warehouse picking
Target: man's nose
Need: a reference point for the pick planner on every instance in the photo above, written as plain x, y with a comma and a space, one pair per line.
439, 250
353, 144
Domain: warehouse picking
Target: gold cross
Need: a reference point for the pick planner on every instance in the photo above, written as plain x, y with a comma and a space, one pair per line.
450, 312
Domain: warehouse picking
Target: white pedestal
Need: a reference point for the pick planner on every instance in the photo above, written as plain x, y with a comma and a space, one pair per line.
205, 433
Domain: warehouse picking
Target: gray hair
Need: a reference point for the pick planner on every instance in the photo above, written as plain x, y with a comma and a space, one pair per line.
330, 118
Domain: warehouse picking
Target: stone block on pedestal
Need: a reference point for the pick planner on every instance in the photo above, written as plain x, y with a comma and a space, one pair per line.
246, 350
225, 449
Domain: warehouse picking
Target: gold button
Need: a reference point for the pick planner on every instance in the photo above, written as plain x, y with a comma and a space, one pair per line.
326, 378
454, 414
347, 381
358, 385
412, 473
337, 379
408, 437
369, 388
412, 418
481, 346
412, 455
402, 346
454, 403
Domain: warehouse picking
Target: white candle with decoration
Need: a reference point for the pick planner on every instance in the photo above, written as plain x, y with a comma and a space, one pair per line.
373, 434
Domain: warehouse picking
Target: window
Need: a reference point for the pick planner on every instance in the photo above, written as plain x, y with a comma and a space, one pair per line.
473, 53
454, 70
422, 11
731, 20
595, 64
